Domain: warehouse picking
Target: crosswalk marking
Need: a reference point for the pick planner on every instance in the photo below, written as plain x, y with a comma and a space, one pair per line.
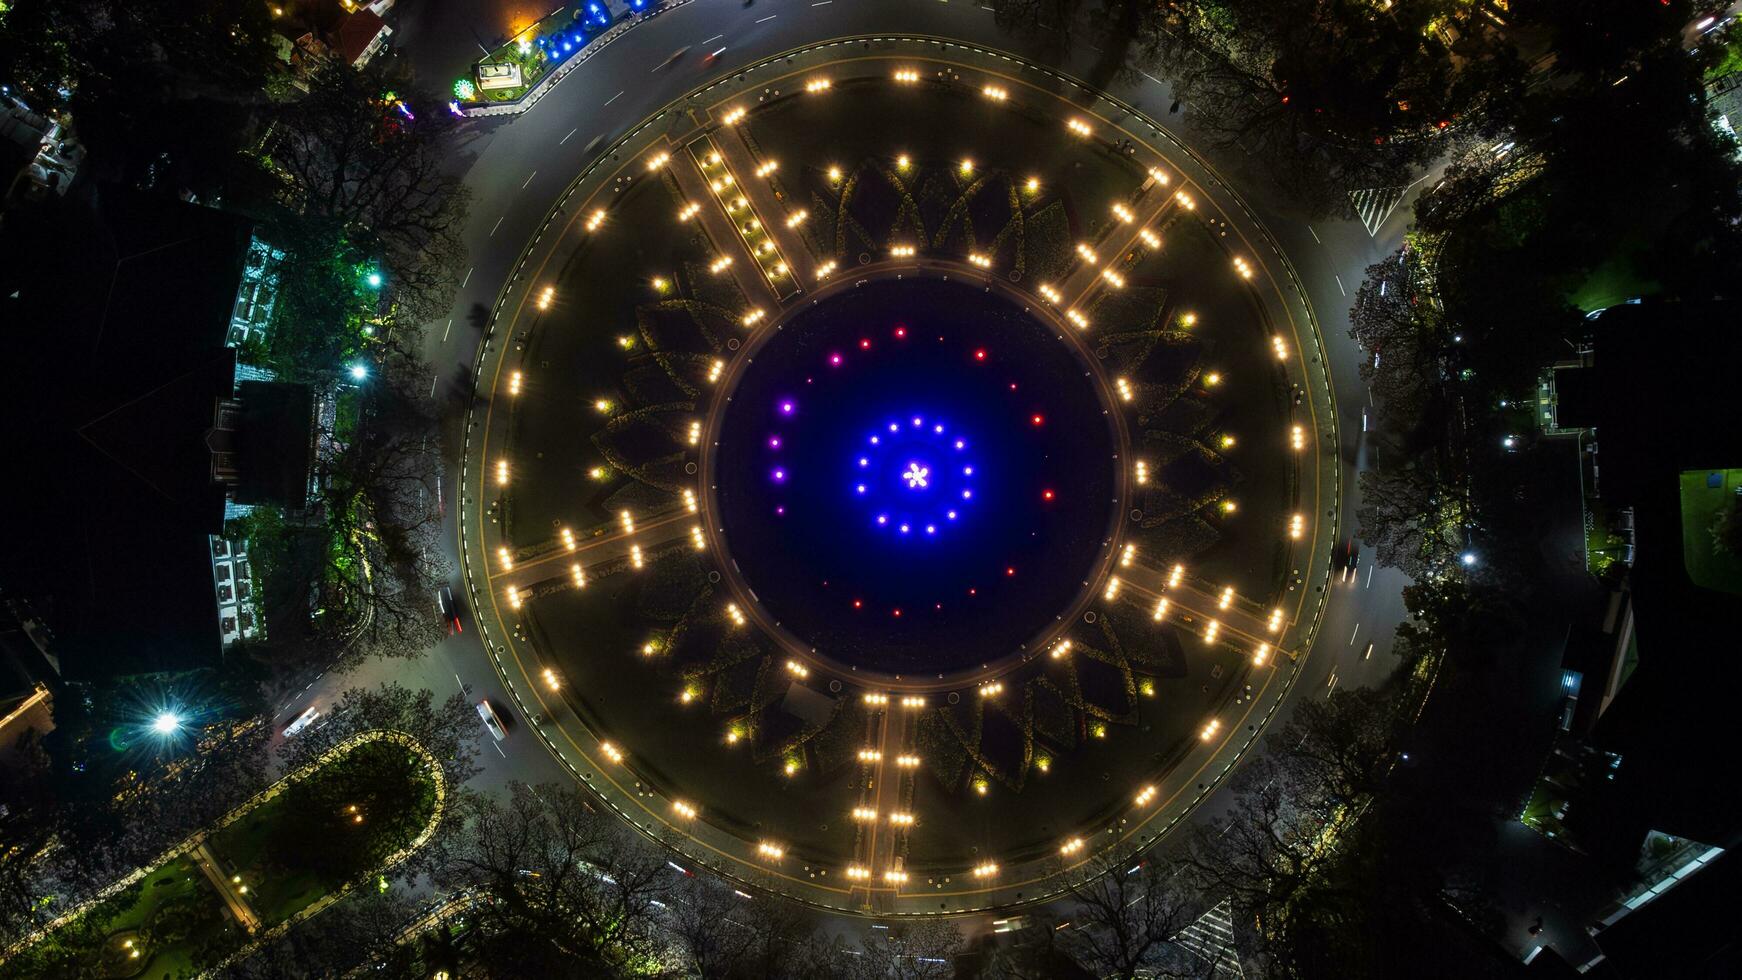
1375, 204
1211, 939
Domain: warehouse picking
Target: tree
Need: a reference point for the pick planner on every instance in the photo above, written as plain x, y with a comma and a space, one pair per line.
363, 928
373, 561
1334, 97
1410, 519
354, 812
921, 950
161, 93
362, 165
1126, 917
1402, 339
448, 731
565, 890
381, 510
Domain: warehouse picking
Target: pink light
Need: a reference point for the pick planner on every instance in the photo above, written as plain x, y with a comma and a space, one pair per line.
900, 332
835, 360
773, 442
787, 407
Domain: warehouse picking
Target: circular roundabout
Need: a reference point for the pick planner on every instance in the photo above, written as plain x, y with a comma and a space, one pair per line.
892, 479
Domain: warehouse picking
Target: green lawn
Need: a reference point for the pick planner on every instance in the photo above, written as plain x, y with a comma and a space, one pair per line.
77, 947
276, 892
1700, 503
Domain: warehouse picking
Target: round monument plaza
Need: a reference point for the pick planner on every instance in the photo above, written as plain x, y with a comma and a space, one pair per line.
889, 481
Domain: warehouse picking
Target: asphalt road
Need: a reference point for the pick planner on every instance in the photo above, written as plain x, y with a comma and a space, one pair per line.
515, 169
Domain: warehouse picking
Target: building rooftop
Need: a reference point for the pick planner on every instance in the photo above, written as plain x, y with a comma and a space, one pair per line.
124, 299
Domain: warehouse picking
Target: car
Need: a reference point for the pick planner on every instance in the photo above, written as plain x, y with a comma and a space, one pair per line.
1345, 559
449, 609
491, 721
302, 721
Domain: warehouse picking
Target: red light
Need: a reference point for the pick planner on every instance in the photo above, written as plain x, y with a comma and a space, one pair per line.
1008, 572
980, 355
865, 344
1037, 419
1046, 494
900, 332
897, 614
973, 591
858, 604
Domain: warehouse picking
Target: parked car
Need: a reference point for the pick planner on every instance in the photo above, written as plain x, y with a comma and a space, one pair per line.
491, 721
302, 721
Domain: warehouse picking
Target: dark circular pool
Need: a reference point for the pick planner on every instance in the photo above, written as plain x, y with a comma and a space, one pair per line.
915, 475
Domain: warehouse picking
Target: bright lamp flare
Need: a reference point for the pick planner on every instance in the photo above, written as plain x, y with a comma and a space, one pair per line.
166, 723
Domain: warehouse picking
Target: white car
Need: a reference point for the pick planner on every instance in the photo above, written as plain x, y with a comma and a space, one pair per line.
302, 721
493, 723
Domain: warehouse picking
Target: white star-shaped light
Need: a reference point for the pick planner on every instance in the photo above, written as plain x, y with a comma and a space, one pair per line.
916, 476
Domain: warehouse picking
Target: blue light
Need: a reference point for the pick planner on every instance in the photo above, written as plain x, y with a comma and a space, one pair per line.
902, 482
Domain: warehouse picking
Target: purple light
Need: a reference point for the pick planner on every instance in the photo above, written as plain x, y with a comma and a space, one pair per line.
835, 360
779, 476
780, 511
773, 442
786, 407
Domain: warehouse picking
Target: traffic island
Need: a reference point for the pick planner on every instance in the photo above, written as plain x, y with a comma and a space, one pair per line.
285, 855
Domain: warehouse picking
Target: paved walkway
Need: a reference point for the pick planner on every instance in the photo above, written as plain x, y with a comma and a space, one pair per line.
232, 896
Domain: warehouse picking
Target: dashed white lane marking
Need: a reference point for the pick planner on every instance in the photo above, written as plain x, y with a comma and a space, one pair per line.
613, 98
